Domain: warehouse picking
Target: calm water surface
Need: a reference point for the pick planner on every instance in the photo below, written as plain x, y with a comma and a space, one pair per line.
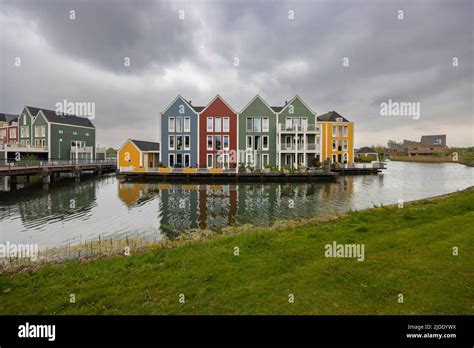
71, 213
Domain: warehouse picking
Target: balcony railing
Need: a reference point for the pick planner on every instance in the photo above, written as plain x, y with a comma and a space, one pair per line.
300, 147
82, 149
22, 147
298, 128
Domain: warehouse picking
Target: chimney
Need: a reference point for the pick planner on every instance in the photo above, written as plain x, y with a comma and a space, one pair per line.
286, 102
190, 103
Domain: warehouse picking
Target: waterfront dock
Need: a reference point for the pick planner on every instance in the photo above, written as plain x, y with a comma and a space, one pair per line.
50, 170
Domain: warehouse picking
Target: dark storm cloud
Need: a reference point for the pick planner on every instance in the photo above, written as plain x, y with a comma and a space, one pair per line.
405, 60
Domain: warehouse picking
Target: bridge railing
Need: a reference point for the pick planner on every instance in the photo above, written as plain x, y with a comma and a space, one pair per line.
8, 164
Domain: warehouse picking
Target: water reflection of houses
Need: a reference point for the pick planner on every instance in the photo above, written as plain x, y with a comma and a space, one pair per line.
36, 207
217, 205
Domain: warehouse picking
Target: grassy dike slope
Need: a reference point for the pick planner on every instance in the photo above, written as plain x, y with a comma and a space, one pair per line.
407, 251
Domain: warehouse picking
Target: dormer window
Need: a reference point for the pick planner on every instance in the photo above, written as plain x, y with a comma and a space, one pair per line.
339, 119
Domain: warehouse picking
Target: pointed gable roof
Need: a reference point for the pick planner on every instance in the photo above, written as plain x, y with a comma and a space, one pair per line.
196, 109
331, 116
52, 116
296, 97
262, 100
222, 100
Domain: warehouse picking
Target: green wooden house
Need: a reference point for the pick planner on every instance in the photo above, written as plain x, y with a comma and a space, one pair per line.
257, 134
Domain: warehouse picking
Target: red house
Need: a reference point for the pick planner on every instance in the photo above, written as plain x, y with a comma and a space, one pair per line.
218, 135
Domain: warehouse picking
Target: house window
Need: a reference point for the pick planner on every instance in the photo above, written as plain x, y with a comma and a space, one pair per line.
187, 160
179, 142
187, 142
78, 143
187, 124
265, 160
257, 142
265, 142
289, 123
226, 141
209, 142
334, 131
249, 124
171, 142
61, 132
24, 119
218, 160
334, 145
12, 133
179, 124
225, 125
218, 142
209, 124
265, 125
333, 158
209, 161
345, 131
25, 132
249, 141
171, 160
339, 131
40, 131
218, 125
171, 124
87, 134
74, 133
345, 144
257, 124
339, 145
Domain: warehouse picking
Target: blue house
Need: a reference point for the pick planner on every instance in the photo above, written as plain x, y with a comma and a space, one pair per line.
179, 134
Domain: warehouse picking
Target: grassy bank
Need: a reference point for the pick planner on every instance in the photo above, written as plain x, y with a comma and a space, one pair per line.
407, 251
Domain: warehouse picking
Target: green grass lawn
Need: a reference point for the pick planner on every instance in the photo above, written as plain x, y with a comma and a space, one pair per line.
408, 251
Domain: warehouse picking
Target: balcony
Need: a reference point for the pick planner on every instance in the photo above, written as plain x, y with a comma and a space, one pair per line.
82, 149
23, 147
307, 128
300, 147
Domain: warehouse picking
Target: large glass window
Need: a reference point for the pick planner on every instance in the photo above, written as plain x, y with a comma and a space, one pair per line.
249, 124
179, 142
171, 160
187, 142
218, 125
171, 124
249, 141
179, 124
226, 141
209, 161
210, 126
187, 124
257, 142
171, 142
334, 131
218, 142
345, 131
334, 143
209, 142
257, 124
265, 125
225, 125
265, 142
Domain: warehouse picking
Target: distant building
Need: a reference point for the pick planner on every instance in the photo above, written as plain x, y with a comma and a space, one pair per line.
337, 138
427, 146
48, 136
365, 152
8, 128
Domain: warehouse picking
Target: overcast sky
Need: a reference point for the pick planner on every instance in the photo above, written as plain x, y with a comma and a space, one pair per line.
281, 54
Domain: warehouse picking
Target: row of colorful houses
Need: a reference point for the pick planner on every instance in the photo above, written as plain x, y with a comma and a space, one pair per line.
47, 135
259, 136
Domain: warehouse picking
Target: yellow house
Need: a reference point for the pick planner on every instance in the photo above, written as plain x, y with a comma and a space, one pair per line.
337, 135
138, 156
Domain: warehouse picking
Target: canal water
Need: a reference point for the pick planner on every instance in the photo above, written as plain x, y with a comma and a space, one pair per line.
73, 213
